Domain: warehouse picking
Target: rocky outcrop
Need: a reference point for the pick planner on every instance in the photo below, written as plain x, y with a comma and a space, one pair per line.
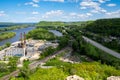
74, 77
113, 78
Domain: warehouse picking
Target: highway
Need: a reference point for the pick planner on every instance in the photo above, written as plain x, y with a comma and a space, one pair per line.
35, 64
105, 49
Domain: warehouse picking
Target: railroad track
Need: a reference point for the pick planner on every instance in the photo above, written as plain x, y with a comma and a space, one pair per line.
35, 64
7, 77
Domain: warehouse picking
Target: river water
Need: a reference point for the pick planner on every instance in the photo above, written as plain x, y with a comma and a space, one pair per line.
55, 32
26, 30
17, 36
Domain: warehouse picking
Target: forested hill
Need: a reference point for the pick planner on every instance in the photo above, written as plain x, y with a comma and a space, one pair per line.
105, 27
59, 23
49, 23
8, 24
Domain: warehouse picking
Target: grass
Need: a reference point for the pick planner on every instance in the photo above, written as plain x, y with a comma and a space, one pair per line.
56, 62
26, 63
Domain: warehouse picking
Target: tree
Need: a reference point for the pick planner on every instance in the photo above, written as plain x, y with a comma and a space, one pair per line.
12, 63
8, 44
3, 67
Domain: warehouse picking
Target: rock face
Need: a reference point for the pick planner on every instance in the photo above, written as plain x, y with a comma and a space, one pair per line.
74, 77
113, 78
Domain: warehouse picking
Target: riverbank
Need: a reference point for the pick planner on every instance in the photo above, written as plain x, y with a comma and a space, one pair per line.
13, 28
17, 36
7, 35
4, 36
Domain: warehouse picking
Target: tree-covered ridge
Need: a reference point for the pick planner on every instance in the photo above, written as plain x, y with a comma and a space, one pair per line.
79, 23
106, 32
50, 23
109, 27
13, 27
40, 33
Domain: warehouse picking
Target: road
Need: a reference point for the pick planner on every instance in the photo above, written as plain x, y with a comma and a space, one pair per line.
105, 49
35, 64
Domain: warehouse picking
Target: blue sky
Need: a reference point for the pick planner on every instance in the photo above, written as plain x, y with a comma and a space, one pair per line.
57, 10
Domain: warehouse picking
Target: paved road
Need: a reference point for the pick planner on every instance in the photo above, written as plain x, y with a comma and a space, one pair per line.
36, 63
107, 50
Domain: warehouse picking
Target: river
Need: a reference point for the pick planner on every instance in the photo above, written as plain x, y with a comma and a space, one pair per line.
17, 36
26, 30
55, 32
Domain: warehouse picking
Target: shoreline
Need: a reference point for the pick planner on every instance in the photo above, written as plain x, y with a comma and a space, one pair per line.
7, 35
17, 36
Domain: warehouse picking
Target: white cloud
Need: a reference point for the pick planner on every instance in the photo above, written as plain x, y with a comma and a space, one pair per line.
73, 1
90, 4
61, 15
32, 3
103, 1
88, 14
2, 13
95, 11
35, 5
78, 15
111, 5
55, 0
95, 6
100, 10
36, 1
53, 13
83, 8
35, 12
29, 3
113, 14
32, 18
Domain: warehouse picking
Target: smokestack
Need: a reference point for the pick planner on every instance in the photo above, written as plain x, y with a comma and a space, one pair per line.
21, 38
24, 38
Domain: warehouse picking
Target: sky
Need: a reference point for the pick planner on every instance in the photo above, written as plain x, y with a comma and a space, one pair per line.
57, 10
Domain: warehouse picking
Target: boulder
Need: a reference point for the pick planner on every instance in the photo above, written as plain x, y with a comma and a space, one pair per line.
74, 77
113, 78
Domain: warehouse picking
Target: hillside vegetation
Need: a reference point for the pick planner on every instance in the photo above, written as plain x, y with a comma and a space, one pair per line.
40, 33
6, 35
110, 27
13, 27
60, 70
49, 23
106, 32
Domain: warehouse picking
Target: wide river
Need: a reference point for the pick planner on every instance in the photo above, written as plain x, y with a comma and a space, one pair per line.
26, 30
17, 36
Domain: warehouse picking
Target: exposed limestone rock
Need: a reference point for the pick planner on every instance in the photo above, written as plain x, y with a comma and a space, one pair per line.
74, 77
113, 78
